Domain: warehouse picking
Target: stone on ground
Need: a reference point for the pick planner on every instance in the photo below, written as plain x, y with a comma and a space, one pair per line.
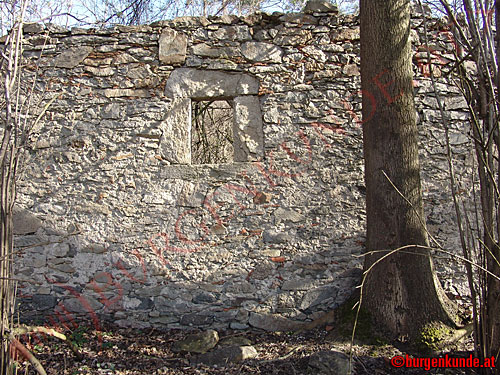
200, 342
329, 362
228, 354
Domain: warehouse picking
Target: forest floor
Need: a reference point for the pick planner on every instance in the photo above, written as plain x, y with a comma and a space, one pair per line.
121, 351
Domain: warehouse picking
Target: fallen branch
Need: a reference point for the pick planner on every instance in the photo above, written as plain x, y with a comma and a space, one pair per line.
28, 355
22, 330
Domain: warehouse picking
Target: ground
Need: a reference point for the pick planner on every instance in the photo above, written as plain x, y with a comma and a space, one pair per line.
120, 351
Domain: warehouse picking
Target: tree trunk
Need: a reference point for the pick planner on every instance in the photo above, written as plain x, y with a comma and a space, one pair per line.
492, 259
401, 292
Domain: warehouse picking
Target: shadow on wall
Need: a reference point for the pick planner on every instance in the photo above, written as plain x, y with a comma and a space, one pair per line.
297, 289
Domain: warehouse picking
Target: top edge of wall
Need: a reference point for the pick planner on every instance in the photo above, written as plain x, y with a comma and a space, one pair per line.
312, 8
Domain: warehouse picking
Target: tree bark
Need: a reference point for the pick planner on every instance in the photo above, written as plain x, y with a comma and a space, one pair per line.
492, 259
401, 292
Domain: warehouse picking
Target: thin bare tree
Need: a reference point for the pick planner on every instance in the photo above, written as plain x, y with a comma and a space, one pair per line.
20, 110
12, 124
476, 73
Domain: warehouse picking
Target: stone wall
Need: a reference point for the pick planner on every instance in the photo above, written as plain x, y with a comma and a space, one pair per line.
114, 222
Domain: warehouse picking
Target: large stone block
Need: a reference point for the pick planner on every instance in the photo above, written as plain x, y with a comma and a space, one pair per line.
223, 356
329, 362
202, 84
172, 47
25, 222
72, 57
261, 52
273, 322
175, 142
248, 134
320, 6
204, 50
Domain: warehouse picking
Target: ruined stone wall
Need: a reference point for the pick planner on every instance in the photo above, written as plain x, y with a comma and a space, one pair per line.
116, 223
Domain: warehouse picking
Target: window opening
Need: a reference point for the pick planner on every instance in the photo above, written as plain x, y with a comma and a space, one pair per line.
212, 132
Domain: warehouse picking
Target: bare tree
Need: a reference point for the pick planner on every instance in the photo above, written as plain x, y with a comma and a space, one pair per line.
9, 157
134, 12
20, 110
471, 22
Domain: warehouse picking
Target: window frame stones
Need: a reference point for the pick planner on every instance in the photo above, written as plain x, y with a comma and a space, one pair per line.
186, 85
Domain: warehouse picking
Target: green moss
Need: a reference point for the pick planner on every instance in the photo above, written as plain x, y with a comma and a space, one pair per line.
433, 335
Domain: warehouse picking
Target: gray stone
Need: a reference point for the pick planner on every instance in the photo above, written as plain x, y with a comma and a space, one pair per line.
128, 323
59, 249
111, 111
56, 29
249, 137
24, 222
139, 72
186, 21
454, 103
122, 58
272, 236
351, 70
172, 47
100, 71
459, 139
37, 260
178, 306
195, 319
117, 93
82, 305
175, 142
282, 214
261, 52
146, 304
345, 34
200, 342
236, 325
318, 296
273, 322
329, 362
320, 6
300, 284
33, 28
191, 195
317, 54
301, 19
224, 356
218, 229
165, 320
226, 19
222, 64
72, 57
240, 287
204, 297
233, 33
284, 38
203, 49
95, 248
44, 302
200, 84
62, 267
264, 269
